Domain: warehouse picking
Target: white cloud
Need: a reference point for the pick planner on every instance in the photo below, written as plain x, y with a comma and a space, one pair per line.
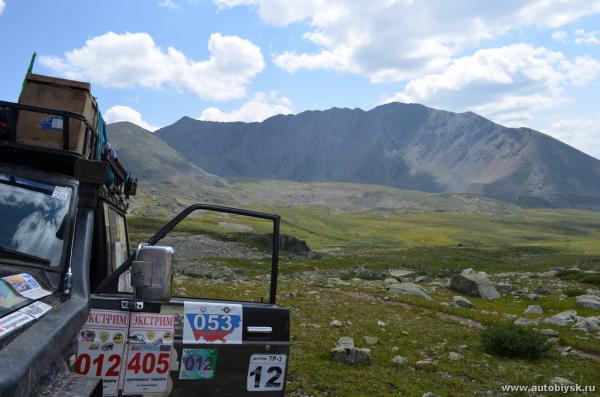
259, 108
506, 84
2, 4
125, 113
583, 37
394, 40
582, 133
134, 59
168, 4
560, 36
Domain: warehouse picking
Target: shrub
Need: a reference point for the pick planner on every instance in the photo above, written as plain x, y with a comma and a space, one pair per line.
574, 291
514, 341
589, 278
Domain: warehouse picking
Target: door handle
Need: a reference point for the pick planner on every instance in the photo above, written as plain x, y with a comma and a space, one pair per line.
259, 330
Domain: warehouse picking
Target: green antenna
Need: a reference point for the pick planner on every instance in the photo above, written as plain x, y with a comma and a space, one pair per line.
29, 70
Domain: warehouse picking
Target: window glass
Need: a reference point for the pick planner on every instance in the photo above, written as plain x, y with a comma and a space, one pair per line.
33, 220
117, 248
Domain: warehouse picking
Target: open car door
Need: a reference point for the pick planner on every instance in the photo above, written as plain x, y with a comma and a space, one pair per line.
152, 342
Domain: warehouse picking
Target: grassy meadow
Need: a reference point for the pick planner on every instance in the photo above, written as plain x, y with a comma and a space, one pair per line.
435, 244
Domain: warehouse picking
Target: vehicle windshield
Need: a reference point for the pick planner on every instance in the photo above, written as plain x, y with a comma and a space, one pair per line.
34, 217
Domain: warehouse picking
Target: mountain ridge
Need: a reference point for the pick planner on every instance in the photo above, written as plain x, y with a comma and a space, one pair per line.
406, 146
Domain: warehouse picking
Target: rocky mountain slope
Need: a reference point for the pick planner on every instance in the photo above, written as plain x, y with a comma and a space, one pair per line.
161, 169
406, 146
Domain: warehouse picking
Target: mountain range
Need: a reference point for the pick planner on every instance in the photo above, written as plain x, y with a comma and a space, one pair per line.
405, 146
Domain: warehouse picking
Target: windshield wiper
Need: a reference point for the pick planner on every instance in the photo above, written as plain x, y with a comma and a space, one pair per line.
23, 255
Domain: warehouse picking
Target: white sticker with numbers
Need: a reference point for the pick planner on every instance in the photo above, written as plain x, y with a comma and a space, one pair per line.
61, 193
266, 372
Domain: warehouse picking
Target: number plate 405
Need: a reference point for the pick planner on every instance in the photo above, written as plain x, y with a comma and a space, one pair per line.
266, 372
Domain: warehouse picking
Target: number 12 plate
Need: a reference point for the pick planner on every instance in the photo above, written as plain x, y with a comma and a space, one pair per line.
266, 372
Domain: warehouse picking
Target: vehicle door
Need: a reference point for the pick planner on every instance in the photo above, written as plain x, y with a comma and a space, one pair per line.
229, 336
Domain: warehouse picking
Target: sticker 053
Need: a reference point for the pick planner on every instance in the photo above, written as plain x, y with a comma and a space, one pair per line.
211, 322
198, 364
266, 372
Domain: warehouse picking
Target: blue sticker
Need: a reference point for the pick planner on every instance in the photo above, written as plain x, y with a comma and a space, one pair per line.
54, 123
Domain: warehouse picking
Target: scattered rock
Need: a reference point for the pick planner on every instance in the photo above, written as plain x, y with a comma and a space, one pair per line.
561, 381
534, 309
371, 340
345, 352
380, 323
588, 301
409, 288
475, 284
562, 319
424, 362
549, 332
587, 324
402, 273
506, 287
533, 297
525, 322
454, 356
398, 360
395, 349
362, 272
429, 394
462, 302
542, 290
548, 274
336, 323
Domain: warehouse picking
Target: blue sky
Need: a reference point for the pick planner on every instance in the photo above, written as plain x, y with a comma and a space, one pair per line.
534, 64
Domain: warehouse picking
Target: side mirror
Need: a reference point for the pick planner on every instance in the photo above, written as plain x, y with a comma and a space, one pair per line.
152, 273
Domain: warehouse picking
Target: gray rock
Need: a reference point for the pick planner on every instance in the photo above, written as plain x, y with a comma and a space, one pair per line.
587, 324
345, 352
533, 297
395, 349
506, 287
553, 341
542, 290
534, 309
362, 272
398, 360
561, 381
429, 394
525, 322
409, 288
475, 284
335, 323
419, 279
562, 319
462, 302
371, 340
588, 301
549, 332
424, 362
548, 274
402, 273
454, 356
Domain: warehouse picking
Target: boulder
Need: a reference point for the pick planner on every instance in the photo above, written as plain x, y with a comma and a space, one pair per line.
336, 323
588, 301
362, 272
562, 319
506, 287
533, 297
559, 380
409, 288
424, 362
398, 360
534, 309
474, 283
462, 302
525, 322
454, 356
549, 332
401, 273
345, 352
371, 340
